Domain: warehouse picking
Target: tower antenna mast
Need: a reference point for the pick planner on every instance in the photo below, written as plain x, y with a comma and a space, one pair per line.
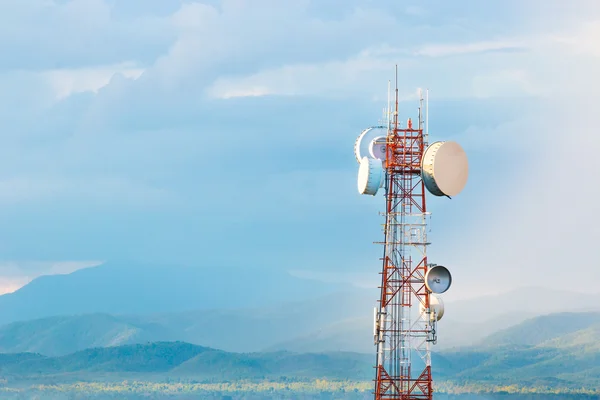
408, 309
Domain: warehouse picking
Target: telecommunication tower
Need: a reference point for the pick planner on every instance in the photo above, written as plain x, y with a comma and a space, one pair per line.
400, 161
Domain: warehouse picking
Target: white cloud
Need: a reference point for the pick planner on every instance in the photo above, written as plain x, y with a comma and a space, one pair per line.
517, 66
361, 75
581, 40
444, 50
66, 82
228, 91
264, 38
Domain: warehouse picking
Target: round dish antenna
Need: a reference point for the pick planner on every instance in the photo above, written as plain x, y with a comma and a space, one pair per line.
444, 168
370, 176
438, 279
377, 147
363, 142
436, 305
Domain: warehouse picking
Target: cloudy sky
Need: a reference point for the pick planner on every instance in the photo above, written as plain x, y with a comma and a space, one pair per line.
220, 133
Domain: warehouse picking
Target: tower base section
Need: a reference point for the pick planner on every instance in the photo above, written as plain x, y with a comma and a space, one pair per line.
417, 389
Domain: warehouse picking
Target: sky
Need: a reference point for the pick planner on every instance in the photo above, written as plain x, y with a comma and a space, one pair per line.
221, 133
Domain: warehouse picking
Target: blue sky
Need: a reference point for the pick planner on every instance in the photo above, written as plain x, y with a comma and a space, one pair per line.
221, 132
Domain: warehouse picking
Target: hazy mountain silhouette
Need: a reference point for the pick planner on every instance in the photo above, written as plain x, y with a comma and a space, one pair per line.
180, 359
547, 365
567, 360
543, 330
526, 301
333, 322
67, 334
242, 330
465, 322
123, 288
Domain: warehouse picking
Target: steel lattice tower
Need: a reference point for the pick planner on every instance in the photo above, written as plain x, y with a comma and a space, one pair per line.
401, 331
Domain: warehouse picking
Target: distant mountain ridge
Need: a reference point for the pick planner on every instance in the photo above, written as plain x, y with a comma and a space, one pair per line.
303, 341
262, 327
556, 349
525, 301
465, 322
321, 319
542, 329
122, 288
179, 359
530, 366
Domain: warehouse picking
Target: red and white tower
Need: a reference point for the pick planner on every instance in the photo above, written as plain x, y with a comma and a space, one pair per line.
400, 161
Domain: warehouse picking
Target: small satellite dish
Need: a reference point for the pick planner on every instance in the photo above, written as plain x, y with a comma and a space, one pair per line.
370, 176
444, 168
436, 305
363, 142
377, 147
438, 279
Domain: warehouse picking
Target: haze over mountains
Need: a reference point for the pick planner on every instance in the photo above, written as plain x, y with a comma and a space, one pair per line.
261, 327
130, 288
116, 304
177, 359
567, 359
195, 330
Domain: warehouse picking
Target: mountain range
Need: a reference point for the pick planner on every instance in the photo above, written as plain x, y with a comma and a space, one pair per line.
569, 358
163, 360
119, 288
555, 348
86, 326
262, 328
119, 304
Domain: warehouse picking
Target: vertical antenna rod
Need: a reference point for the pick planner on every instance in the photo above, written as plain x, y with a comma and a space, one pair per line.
396, 109
426, 117
420, 108
389, 120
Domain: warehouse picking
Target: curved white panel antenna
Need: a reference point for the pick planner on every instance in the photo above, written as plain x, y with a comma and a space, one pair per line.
438, 279
377, 147
436, 305
363, 142
445, 168
370, 176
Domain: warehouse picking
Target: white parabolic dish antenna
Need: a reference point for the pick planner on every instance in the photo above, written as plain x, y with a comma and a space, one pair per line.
445, 168
370, 176
363, 142
438, 279
436, 305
